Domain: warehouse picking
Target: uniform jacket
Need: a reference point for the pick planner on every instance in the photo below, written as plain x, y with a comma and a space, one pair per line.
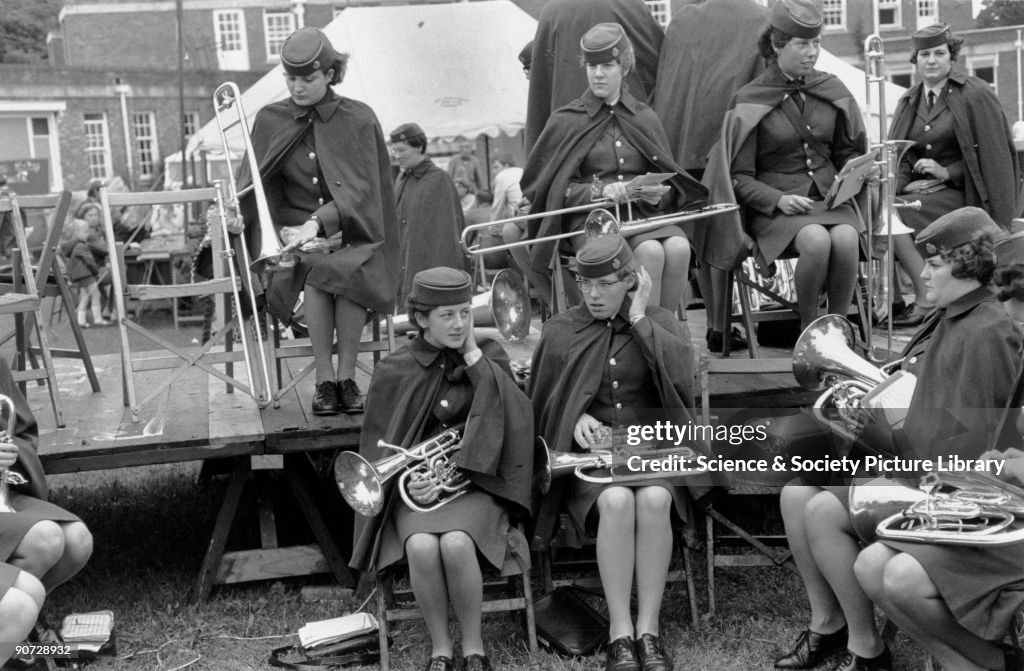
723, 241
989, 174
498, 431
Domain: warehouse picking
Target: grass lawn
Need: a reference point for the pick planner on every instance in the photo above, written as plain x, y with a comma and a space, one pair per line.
151, 527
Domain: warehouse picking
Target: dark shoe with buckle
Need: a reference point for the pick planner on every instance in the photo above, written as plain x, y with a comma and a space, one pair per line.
812, 649
621, 656
351, 401
849, 661
1013, 657
651, 654
716, 341
476, 663
440, 664
325, 400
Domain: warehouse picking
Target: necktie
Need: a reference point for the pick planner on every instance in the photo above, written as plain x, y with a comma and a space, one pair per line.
797, 96
931, 99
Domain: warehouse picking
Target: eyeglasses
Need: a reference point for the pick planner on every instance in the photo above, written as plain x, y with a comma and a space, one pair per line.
601, 285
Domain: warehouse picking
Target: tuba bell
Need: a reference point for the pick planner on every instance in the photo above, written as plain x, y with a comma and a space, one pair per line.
7, 476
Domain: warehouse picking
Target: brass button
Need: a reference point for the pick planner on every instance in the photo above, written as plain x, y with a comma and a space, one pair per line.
654, 158
927, 126
316, 180
928, 147
618, 406
810, 173
621, 161
809, 163
611, 362
320, 201
618, 143
806, 146
444, 403
312, 155
615, 384
913, 360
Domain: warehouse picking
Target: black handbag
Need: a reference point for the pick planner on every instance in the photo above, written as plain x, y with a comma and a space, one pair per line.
363, 649
567, 624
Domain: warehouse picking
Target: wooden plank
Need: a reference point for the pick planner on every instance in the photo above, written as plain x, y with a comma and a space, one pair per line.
248, 565
225, 518
161, 197
232, 417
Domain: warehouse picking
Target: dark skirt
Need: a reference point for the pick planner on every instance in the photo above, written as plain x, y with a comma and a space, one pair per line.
30, 511
328, 272
933, 206
775, 234
582, 512
8, 575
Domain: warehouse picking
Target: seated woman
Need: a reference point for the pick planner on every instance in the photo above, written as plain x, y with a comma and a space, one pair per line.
41, 539
445, 378
960, 616
961, 357
783, 141
21, 597
592, 147
963, 151
599, 366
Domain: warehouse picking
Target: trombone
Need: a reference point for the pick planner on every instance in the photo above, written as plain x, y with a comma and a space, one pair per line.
890, 153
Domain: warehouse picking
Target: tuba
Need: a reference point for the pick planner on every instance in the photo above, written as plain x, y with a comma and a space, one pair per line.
948, 508
361, 482
8, 477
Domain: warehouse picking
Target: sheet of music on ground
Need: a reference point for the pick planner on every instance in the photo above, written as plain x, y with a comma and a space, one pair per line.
88, 630
327, 632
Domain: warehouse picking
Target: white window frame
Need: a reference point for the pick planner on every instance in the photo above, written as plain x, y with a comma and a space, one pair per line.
985, 61
897, 7
834, 13
145, 144
277, 26
927, 12
191, 123
230, 38
97, 145
661, 10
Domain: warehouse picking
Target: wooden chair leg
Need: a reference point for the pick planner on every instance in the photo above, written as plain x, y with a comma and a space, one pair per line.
225, 518
383, 590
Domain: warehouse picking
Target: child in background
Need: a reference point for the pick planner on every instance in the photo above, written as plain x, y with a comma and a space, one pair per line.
84, 272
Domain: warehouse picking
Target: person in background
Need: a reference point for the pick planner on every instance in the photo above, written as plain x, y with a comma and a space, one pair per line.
487, 237
83, 273
526, 58
467, 195
464, 167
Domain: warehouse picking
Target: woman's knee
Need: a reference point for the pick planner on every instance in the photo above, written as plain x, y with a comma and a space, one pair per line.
813, 241
869, 568
845, 239
906, 583
43, 545
457, 544
616, 501
826, 513
29, 584
653, 502
511, 233
18, 610
677, 249
78, 542
422, 547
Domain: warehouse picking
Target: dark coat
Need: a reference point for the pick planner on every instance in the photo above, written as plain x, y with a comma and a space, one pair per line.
26, 437
81, 262
556, 75
991, 176
354, 161
723, 241
498, 432
564, 144
705, 59
430, 221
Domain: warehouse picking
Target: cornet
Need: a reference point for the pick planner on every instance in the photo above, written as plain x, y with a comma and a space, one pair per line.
8, 477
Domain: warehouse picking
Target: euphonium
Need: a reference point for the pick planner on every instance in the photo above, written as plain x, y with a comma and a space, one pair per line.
361, 482
8, 477
824, 357
621, 468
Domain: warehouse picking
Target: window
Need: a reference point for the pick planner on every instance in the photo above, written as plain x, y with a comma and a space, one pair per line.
229, 32
277, 26
97, 146
834, 14
146, 151
890, 14
927, 13
904, 79
661, 10
191, 124
984, 68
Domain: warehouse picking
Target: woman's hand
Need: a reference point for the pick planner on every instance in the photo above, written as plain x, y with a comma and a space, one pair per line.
8, 455
469, 344
585, 431
638, 308
616, 192
792, 204
422, 490
294, 237
1013, 463
523, 207
930, 167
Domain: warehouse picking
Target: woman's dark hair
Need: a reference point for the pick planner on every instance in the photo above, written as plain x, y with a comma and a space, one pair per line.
975, 260
85, 207
417, 142
1010, 282
413, 308
771, 38
340, 65
954, 43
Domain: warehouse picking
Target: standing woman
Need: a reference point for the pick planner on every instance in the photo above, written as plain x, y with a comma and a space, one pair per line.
963, 152
787, 135
592, 147
326, 172
446, 378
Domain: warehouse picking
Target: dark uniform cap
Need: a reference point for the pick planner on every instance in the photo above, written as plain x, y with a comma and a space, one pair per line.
602, 256
603, 43
932, 36
1010, 250
526, 55
441, 286
953, 229
306, 51
799, 18
406, 132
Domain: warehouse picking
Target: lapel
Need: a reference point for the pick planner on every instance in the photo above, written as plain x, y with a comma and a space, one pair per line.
940, 104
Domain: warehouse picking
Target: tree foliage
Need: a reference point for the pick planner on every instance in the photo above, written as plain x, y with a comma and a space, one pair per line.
1001, 13
23, 28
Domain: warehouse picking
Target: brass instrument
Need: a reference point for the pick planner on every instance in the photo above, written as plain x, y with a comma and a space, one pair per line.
599, 222
948, 508
361, 482
620, 468
7, 476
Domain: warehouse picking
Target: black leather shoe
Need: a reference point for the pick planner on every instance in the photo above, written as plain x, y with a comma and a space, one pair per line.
849, 661
440, 664
652, 655
350, 400
621, 656
812, 649
476, 663
325, 400
715, 341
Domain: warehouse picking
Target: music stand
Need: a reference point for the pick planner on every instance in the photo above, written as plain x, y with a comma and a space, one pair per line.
850, 179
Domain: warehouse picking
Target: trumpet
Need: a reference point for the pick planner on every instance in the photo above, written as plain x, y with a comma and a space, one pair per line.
599, 222
361, 482
625, 468
7, 476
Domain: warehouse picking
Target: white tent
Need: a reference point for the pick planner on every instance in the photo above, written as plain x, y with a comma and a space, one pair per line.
853, 77
451, 68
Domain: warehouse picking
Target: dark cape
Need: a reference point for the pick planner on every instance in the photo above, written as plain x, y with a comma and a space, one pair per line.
704, 61
556, 76
498, 431
723, 241
26, 437
992, 175
356, 168
564, 144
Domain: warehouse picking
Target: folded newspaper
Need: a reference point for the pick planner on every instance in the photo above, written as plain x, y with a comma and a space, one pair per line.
89, 631
328, 632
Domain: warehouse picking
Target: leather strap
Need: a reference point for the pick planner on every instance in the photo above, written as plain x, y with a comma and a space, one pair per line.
790, 110
319, 663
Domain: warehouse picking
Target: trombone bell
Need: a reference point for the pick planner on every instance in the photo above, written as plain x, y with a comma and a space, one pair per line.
601, 222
